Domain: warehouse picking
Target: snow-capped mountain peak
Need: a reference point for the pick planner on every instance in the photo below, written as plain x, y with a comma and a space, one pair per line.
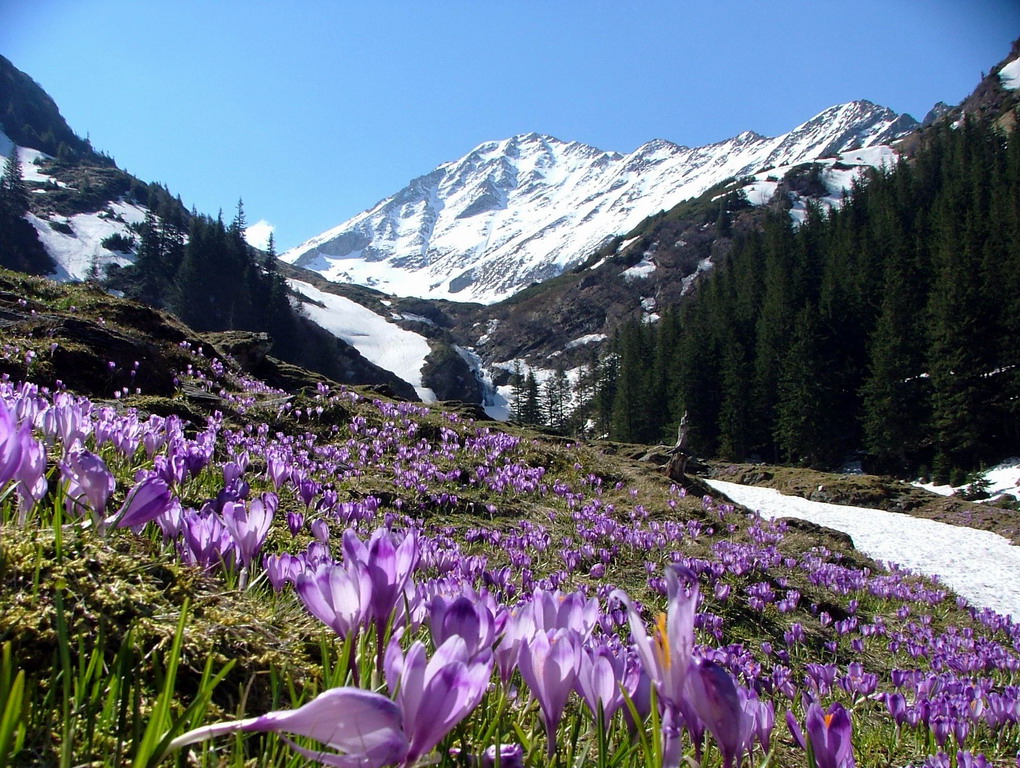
523, 209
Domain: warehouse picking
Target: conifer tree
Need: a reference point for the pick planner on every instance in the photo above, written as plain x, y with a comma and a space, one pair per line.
556, 391
13, 192
531, 405
773, 326
894, 396
20, 248
954, 361
631, 418
517, 391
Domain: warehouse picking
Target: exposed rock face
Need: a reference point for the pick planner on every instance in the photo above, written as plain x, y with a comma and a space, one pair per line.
248, 348
451, 378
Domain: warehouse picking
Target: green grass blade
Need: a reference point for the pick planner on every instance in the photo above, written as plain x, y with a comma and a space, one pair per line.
10, 718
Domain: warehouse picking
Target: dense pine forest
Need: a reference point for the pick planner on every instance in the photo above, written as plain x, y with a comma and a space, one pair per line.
886, 328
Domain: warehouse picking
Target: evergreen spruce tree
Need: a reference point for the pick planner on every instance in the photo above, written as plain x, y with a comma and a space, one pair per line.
735, 401
605, 394
531, 406
556, 392
13, 192
772, 332
955, 364
895, 396
20, 248
517, 392
631, 419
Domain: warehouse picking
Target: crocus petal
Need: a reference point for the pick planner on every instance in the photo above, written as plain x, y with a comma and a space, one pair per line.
363, 727
145, 502
549, 664
795, 731
351, 720
830, 735
12, 442
331, 595
714, 697
450, 694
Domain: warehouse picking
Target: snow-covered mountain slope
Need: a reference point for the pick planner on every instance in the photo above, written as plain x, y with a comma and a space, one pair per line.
516, 211
381, 342
75, 243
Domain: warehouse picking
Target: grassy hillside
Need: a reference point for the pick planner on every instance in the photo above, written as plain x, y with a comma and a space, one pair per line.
214, 547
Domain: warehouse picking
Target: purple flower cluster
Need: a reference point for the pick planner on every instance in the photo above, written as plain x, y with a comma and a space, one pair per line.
519, 597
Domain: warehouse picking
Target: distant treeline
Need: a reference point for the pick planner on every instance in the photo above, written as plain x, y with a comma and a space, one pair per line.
890, 326
205, 273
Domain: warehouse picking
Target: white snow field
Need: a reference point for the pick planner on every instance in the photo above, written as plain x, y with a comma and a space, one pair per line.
1009, 75
980, 566
387, 345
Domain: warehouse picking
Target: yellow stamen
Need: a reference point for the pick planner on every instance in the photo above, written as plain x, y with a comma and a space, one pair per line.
662, 641
828, 719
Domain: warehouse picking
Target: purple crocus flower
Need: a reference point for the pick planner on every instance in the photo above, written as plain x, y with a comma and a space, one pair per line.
667, 654
31, 477
283, 568
388, 566
714, 697
248, 527
12, 443
520, 626
361, 728
171, 468
90, 483
320, 530
435, 695
795, 731
509, 756
556, 610
364, 729
204, 539
600, 675
149, 499
170, 521
548, 663
278, 470
336, 595
829, 733
763, 716
468, 616
666, 657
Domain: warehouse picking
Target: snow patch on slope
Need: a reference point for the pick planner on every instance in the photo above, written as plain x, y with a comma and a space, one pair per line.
78, 254
1001, 480
641, 270
81, 255
1009, 75
28, 158
387, 345
981, 566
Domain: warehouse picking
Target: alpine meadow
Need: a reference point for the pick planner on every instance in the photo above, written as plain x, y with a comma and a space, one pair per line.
700, 457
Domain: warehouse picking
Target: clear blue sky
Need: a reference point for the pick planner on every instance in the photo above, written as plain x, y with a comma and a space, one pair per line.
314, 111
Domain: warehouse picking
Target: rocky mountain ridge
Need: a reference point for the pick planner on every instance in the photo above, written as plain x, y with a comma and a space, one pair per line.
514, 212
